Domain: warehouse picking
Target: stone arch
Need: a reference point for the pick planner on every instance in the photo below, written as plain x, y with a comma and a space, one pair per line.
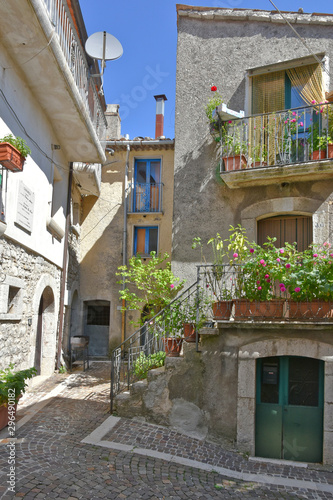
275, 206
44, 324
247, 356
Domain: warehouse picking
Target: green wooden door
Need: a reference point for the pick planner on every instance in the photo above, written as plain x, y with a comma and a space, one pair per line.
289, 408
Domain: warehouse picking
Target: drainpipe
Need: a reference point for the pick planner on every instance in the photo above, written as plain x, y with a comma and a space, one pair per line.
123, 314
64, 265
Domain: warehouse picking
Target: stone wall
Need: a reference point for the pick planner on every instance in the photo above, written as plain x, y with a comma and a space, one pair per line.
24, 278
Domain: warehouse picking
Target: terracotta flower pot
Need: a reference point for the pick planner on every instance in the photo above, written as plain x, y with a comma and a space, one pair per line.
266, 309
222, 309
189, 332
321, 154
236, 162
173, 346
11, 158
314, 310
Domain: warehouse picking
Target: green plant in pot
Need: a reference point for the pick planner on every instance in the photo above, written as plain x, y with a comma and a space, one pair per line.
13, 151
234, 144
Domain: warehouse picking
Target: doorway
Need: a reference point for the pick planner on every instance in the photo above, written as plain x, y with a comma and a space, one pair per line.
289, 408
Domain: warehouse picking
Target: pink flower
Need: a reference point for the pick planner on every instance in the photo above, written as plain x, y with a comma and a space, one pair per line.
283, 289
235, 255
288, 265
278, 260
281, 285
301, 124
213, 88
330, 262
281, 250
294, 113
313, 102
315, 255
258, 282
331, 254
297, 289
262, 262
259, 288
325, 244
286, 121
230, 121
172, 286
251, 250
268, 280
266, 276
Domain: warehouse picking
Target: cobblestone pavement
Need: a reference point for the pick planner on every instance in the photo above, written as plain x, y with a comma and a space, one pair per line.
53, 462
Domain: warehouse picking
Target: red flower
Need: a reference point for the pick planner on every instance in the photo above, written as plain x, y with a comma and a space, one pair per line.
213, 88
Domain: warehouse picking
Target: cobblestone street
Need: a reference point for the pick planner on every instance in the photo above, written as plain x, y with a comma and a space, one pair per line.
68, 446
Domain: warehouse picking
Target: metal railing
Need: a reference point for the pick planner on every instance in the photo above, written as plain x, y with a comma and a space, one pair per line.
230, 294
221, 293
74, 54
128, 358
145, 197
296, 135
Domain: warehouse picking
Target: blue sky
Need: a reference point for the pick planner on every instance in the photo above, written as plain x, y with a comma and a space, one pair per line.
147, 30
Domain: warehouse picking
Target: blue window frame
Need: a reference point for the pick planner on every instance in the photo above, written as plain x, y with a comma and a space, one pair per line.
147, 185
145, 240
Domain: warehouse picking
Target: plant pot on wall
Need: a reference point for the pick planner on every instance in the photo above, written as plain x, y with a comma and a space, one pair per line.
313, 310
173, 346
321, 154
236, 162
222, 309
189, 332
11, 158
266, 309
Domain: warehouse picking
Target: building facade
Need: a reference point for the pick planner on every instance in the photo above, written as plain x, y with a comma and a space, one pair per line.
274, 88
132, 216
49, 99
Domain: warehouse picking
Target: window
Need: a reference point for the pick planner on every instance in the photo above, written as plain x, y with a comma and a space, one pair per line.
98, 314
145, 240
11, 298
147, 186
286, 228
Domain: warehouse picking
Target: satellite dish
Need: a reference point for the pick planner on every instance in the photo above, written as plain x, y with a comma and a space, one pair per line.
103, 46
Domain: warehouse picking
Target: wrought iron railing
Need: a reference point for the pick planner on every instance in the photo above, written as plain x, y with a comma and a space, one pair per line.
230, 294
292, 136
145, 197
74, 54
220, 294
139, 348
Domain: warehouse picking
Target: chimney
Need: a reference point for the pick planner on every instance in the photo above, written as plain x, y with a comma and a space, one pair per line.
159, 115
113, 122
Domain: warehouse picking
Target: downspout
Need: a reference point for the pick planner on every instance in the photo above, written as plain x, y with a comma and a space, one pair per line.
123, 314
64, 265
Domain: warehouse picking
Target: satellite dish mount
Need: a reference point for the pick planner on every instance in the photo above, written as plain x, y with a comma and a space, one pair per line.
104, 47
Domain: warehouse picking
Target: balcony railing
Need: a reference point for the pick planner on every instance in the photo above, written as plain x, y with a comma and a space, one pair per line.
230, 294
292, 136
76, 59
145, 197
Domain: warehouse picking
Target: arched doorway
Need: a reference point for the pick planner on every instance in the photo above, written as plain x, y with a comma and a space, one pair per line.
45, 326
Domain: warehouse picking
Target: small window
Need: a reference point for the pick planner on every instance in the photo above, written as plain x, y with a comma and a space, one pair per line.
147, 186
145, 240
98, 315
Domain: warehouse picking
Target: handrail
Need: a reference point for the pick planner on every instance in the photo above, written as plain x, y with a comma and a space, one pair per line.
61, 19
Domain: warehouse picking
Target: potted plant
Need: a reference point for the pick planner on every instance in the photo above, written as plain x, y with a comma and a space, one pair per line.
234, 145
259, 155
13, 152
173, 330
12, 386
321, 143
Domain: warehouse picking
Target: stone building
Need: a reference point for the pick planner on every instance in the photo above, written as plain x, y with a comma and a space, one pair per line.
133, 215
259, 66
49, 99
254, 165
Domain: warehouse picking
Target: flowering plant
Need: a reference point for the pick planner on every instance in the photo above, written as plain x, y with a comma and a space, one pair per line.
213, 103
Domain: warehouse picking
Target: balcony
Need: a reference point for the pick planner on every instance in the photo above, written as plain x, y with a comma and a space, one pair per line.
88, 177
291, 145
145, 197
41, 40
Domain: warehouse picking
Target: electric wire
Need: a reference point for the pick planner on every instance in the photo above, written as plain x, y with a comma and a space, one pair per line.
301, 39
35, 55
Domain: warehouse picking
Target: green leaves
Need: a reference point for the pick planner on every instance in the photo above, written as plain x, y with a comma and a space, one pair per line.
14, 381
151, 283
18, 143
